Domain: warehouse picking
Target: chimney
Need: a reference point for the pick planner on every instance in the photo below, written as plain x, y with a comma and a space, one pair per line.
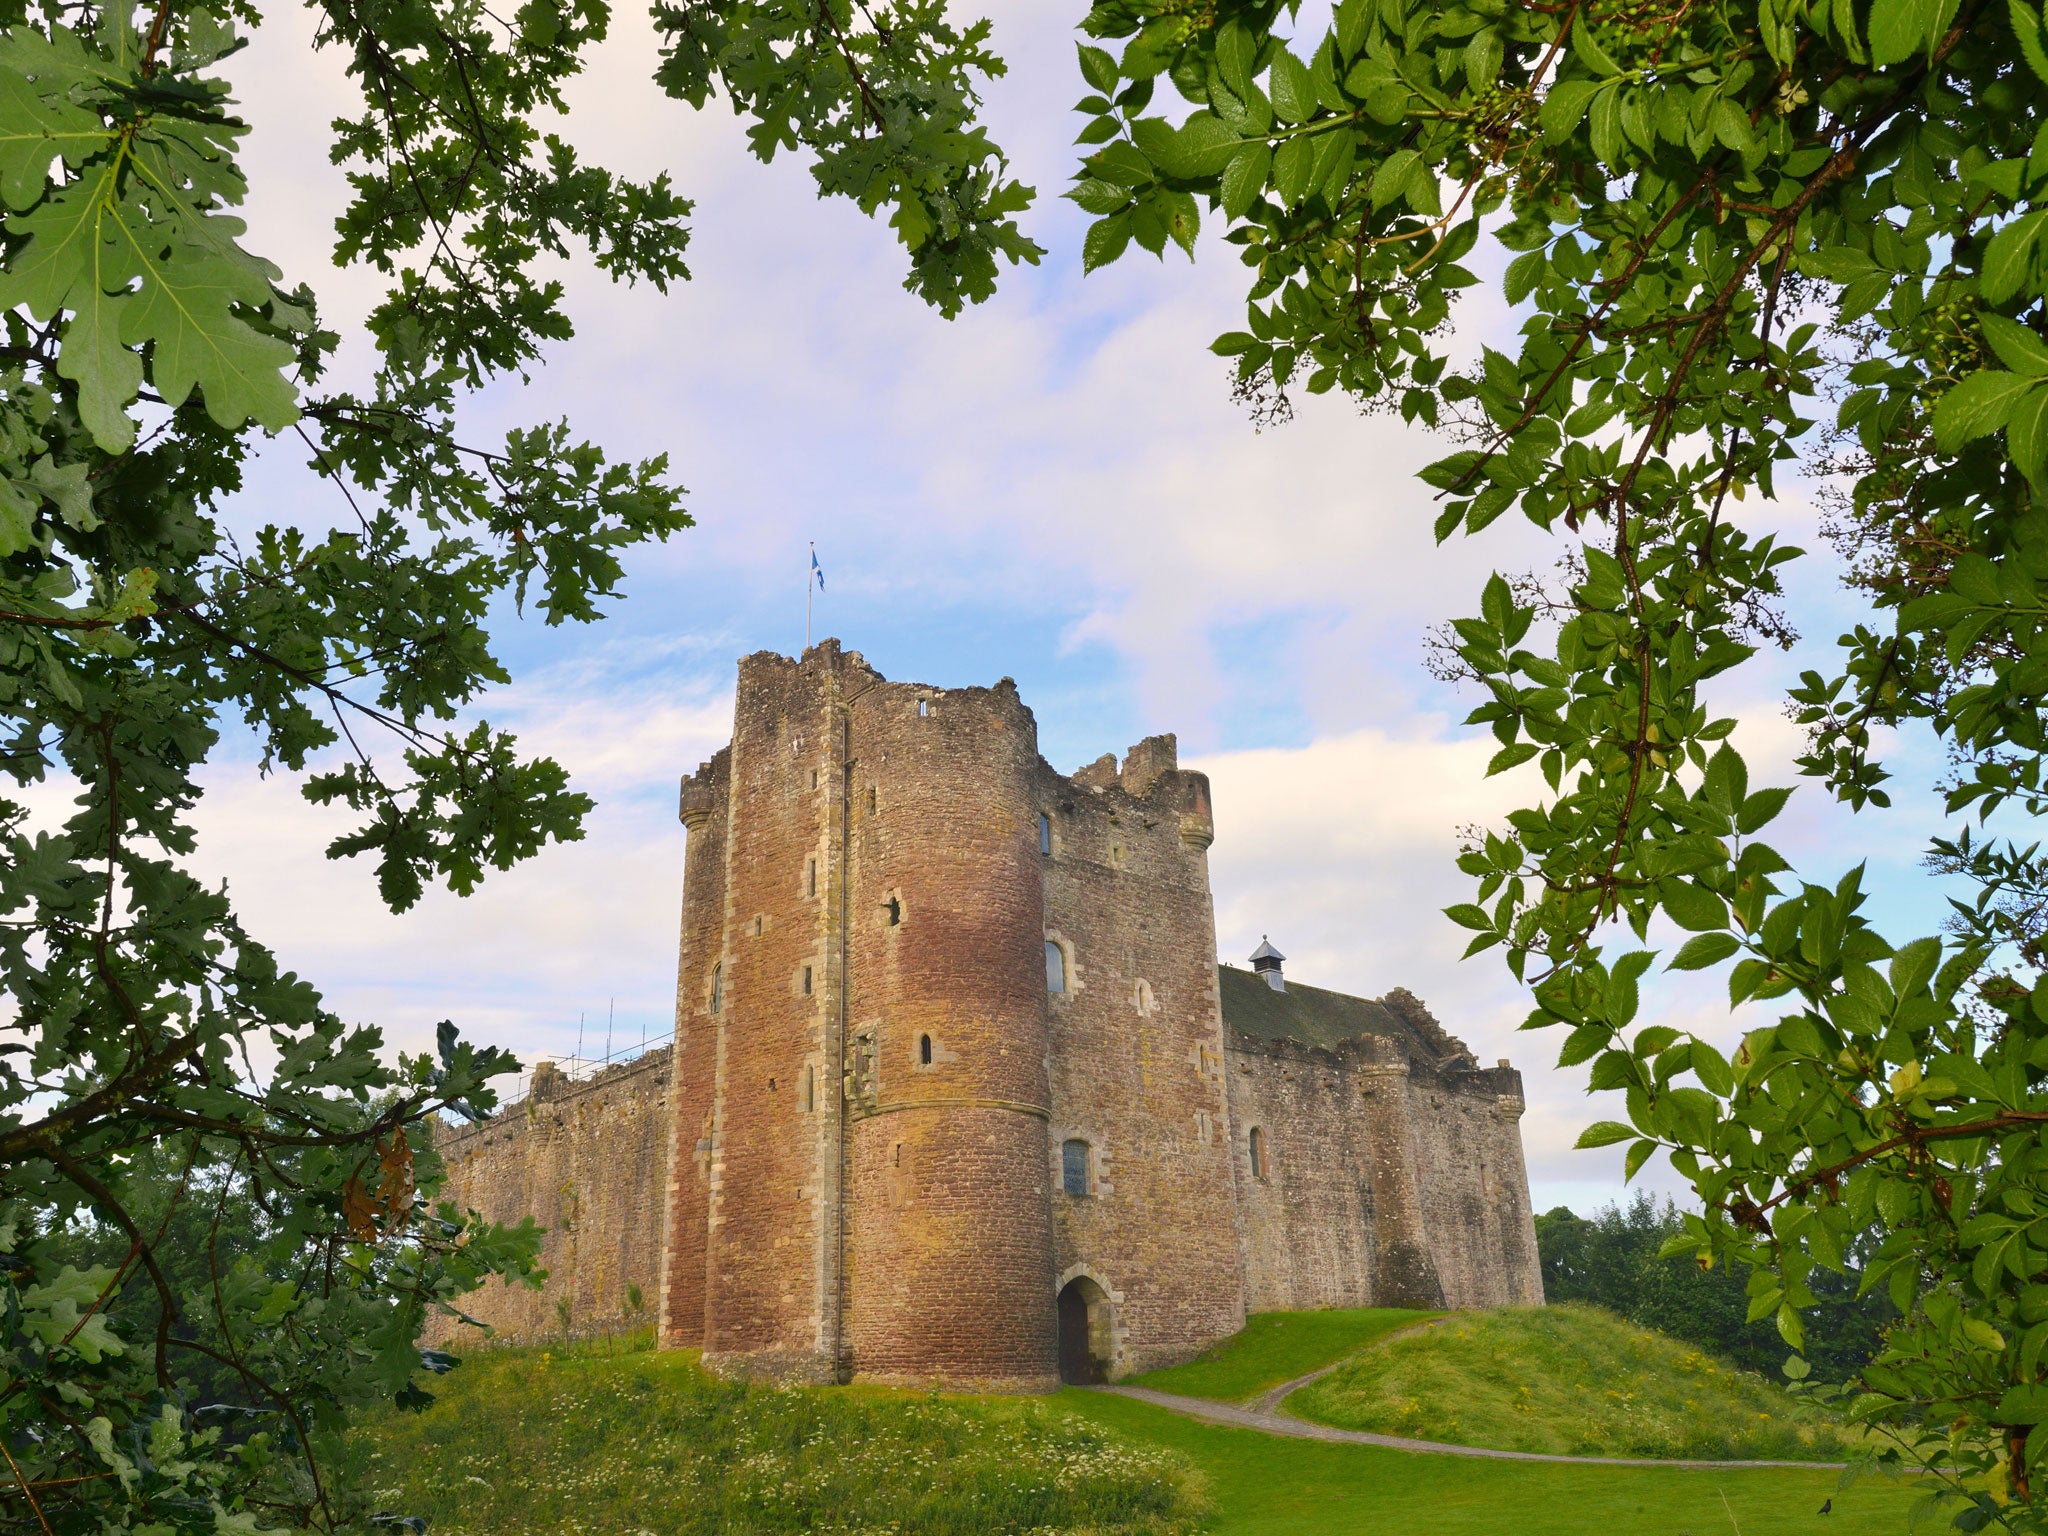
1266, 961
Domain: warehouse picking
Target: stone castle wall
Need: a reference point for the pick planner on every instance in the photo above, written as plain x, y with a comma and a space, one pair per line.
1465, 1131
1388, 1181
589, 1162
1310, 1217
1137, 1056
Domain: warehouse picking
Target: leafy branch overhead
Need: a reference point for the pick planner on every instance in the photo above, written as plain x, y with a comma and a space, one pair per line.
1736, 240
219, 1231
885, 97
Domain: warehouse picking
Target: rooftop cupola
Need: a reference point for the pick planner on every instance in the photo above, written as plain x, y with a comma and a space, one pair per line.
1266, 961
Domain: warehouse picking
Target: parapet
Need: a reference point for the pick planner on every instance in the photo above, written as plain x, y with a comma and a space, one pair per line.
1151, 776
1145, 762
1446, 1047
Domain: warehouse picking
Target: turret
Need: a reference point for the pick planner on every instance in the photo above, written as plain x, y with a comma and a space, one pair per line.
1266, 960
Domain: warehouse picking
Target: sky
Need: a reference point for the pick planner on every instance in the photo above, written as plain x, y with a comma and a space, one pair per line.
1055, 487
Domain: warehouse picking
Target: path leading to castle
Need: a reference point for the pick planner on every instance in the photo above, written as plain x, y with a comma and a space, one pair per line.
1262, 1414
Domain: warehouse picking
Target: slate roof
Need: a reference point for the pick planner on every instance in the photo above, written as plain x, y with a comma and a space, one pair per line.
1308, 1014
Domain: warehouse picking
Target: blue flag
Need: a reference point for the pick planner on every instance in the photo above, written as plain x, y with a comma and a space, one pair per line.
817, 570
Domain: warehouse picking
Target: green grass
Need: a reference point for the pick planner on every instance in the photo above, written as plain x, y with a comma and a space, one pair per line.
645, 1444
1570, 1379
594, 1442
1260, 1485
1276, 1347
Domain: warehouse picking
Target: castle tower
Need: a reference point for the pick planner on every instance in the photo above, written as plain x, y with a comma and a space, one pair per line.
951, 1254
862, 995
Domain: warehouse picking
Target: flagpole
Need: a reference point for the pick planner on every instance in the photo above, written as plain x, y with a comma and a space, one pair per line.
809, 582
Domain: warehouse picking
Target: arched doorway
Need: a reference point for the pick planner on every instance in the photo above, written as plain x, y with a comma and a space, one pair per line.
1085, 1332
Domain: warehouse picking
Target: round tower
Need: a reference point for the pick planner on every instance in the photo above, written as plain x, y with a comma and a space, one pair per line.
950, 1242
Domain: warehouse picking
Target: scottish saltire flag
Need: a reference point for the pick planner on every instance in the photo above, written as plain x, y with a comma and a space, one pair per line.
817, 570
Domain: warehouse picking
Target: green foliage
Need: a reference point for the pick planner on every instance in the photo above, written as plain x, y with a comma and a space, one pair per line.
1567, 1379
218, 1226
575, 1439
1615, 1259
887, 108
1275, 1347
1266, 1485
1715, 217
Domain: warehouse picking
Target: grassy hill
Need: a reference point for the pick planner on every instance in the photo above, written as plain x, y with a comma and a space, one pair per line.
646, 1444
1276, 1347
1570, 1379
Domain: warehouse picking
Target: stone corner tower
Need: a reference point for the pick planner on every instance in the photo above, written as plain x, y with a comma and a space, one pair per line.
861, 1032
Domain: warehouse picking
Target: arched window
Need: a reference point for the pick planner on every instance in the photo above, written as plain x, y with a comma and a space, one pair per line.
924, 1050
717, 985
924, 707
1074, 1166
1055, 967
1258, 1140
1044, 833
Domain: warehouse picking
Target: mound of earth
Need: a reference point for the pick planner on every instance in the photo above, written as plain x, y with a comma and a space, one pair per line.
1567, 1379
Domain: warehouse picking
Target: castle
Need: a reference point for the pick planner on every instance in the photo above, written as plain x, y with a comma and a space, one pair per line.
959, 1093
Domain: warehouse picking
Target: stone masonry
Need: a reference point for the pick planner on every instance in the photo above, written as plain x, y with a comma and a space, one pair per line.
959, 1093
589, 1162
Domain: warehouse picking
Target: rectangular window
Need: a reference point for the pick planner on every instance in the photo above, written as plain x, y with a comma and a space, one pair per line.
811, 878
1044, 833
807, 981
1074, 1167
